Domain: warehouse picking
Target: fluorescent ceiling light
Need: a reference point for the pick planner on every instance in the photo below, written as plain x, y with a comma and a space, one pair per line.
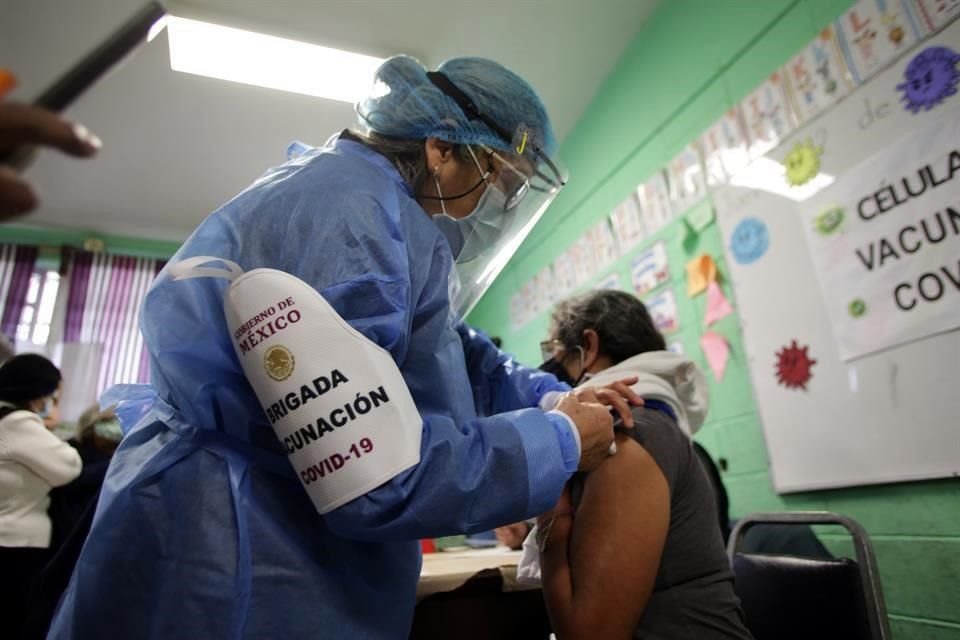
769, 175
211, 50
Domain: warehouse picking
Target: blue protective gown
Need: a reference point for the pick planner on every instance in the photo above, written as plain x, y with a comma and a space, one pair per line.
203, 530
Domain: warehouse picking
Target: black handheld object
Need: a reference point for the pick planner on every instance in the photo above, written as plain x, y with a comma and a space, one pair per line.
71, 85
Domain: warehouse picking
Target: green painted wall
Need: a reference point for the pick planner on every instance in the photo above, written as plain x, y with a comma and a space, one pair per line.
689, 63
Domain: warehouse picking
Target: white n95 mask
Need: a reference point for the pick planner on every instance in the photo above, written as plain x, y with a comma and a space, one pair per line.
336, 400
482, 229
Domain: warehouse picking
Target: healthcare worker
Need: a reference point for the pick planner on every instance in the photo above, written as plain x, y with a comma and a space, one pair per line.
203, 529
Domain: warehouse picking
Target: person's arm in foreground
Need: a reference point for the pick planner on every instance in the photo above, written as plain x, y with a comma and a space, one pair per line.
599, 565
21, 125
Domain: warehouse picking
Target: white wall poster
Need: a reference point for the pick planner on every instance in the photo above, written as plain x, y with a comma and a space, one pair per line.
687, 183
817, 76
627, 224
886, 242
767, 115
663, 311
650, 269
874, 32
654, 198
724, 148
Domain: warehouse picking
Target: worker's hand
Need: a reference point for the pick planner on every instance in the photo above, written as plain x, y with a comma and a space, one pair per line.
595, 425
616, 395
513, 535
22, 125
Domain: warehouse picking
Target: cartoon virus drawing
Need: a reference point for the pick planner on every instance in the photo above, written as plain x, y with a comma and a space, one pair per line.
829, 221
865, 42
930, 78
894, 31
829, 84
802, 163
857, 308
749, 240
793, 366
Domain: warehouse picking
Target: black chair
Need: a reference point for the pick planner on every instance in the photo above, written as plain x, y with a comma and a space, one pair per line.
788, 597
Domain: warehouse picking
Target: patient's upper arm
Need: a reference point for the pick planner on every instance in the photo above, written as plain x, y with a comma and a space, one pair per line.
619, 532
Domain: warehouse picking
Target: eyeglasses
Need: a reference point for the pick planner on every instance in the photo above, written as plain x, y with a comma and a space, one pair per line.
511, 181
549, 348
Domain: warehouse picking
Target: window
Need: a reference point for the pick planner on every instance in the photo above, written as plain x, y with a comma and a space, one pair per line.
34, 325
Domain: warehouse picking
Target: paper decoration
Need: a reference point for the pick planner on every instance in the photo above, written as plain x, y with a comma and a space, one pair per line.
718, 307
717, 351
518, 310
654, 198
930, 78
686, 180
543, 289
767, 115
874, 32
937, 13
857, 308
725, 148
829, 221
612, 281
794, 366
817, 76
650, 269
564, 275
583, 259
701, 218
749, 241
603, 243
663, 311
701, 271
531, 303
802, 163
627, 224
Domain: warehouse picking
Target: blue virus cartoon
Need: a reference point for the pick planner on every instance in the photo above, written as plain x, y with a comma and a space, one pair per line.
749, 240
931, 77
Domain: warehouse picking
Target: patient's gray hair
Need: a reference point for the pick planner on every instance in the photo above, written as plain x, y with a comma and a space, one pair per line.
621, 321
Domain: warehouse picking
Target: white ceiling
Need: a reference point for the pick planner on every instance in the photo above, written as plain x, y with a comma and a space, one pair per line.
177, 146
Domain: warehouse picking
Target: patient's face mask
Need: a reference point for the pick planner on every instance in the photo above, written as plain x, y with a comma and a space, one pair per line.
50, 411
552, 364
108, 430
46, 409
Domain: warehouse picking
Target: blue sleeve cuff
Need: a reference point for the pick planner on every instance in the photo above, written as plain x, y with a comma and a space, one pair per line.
569, 439
549, 400
552, 455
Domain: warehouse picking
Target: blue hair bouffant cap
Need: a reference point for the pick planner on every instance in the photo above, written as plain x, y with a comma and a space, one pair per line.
404, 103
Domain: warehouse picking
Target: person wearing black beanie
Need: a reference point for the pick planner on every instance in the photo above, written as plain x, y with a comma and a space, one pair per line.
31, 382
32, 461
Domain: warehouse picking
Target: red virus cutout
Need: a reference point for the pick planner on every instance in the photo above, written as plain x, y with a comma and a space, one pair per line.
793, 366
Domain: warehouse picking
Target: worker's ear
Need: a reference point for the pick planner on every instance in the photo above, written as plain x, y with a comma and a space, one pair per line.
438, 153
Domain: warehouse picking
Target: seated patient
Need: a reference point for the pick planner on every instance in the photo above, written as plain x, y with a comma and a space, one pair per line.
633, 548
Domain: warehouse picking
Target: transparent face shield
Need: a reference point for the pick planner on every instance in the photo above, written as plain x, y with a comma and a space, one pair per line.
521, 184
508, 210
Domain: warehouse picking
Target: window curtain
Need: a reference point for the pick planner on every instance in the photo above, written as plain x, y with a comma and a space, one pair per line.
103, 308
16, 266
